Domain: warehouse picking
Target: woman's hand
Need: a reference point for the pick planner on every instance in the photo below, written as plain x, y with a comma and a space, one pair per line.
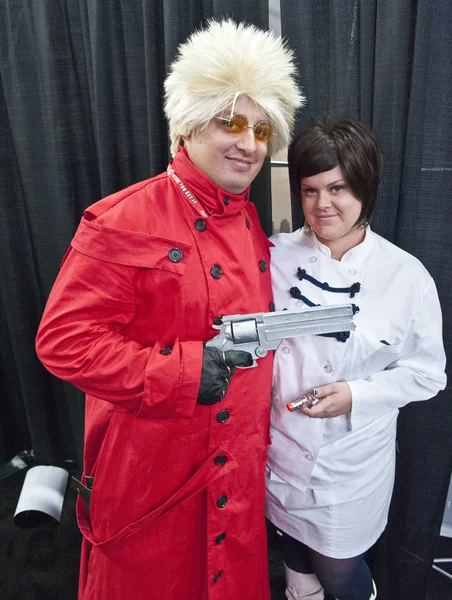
334, 399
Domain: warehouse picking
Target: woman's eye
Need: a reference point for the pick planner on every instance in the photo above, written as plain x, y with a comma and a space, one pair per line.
337, 188
309, 192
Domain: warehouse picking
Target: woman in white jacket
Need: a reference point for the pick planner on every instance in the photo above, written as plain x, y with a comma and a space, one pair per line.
331, 464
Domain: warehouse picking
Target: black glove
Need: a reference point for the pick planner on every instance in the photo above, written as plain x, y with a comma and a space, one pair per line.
217, 370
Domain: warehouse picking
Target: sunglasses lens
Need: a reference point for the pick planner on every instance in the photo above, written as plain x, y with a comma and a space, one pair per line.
263, 131
238, 124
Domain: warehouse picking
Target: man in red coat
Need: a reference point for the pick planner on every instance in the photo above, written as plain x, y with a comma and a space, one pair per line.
175, 439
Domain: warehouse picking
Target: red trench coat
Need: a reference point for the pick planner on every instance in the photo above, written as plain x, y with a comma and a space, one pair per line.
125, 323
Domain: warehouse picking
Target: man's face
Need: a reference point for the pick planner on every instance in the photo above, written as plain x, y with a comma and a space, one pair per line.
231, 162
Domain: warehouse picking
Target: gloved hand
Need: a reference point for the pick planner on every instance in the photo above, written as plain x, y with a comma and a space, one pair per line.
217, 369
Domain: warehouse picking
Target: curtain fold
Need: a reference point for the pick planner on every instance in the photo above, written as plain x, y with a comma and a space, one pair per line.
81, 116
389, 64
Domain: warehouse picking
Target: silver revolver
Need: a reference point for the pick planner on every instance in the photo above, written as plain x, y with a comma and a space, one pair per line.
260, 332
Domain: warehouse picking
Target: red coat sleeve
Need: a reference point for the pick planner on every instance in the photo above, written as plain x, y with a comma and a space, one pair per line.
81, 340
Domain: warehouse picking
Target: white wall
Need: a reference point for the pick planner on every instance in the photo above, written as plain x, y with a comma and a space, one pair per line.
280, 179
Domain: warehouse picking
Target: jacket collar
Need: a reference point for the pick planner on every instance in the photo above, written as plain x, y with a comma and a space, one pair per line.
358, 252
207, 193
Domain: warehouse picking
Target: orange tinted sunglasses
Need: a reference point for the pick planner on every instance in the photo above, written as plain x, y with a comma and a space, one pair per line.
237, 125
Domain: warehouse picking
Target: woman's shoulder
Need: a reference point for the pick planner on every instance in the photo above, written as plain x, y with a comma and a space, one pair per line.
287, 241
397, 259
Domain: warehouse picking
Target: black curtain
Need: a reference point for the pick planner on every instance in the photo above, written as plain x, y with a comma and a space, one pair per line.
80, 117
389, 63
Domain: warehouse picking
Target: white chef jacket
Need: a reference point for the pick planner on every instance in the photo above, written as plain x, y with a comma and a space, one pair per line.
395, 356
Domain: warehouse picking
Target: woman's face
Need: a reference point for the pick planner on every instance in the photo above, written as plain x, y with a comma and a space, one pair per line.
331, 209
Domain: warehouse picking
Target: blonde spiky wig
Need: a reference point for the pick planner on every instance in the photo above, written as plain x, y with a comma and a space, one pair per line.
225, 60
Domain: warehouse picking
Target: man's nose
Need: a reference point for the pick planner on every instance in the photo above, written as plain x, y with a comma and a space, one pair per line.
247, 141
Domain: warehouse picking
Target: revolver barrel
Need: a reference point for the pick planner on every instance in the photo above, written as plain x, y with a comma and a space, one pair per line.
260, 332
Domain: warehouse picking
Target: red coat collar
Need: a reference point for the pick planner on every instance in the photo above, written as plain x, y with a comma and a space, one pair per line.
209, 195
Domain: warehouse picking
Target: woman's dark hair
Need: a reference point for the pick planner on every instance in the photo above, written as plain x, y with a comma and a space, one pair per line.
344, 142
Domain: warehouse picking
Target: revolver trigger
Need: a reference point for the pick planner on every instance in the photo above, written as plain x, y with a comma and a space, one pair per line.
250, 367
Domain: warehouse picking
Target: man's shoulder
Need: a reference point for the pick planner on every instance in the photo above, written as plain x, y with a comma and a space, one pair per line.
129, 228
128, 202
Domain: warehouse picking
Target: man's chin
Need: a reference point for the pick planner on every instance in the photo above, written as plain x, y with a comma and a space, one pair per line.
235, 190
236, 185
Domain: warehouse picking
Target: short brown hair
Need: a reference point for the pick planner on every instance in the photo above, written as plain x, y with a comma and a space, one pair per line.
344, 142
